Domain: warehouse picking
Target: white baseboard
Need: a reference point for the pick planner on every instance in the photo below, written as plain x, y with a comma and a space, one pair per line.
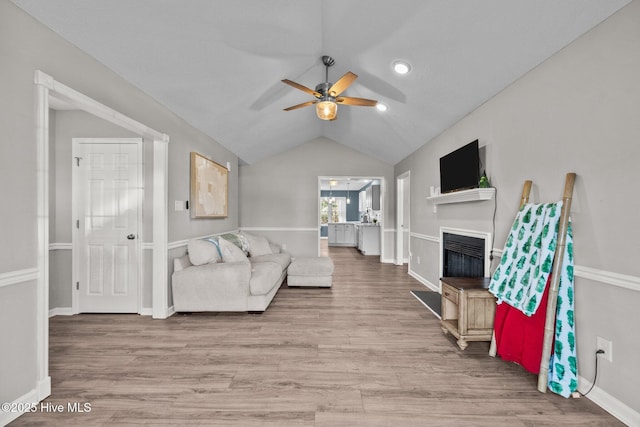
42, 391
61, 311
388, 260
166, 313
424, 281
146, 311
610, 404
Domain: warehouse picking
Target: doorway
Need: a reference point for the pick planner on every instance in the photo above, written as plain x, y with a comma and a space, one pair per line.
50, 92
351, 200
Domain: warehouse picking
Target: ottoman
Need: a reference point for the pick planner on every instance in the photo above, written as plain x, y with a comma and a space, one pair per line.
313, 271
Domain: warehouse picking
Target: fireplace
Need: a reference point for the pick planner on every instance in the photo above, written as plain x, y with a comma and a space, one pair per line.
464, 253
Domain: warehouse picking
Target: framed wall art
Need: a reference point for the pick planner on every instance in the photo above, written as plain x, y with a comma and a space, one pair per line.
209, 188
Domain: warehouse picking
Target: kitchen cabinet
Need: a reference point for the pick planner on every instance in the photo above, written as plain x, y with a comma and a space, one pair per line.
375, 197
369, 239
341, 234
371, 198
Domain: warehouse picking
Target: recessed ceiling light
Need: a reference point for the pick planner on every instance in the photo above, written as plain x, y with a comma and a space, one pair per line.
401, 67
381, 107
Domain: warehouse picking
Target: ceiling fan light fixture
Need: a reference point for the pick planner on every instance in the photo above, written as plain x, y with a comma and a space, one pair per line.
326, 110
401, 67
381, 107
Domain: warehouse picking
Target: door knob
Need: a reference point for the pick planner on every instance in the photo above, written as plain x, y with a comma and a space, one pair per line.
131, 236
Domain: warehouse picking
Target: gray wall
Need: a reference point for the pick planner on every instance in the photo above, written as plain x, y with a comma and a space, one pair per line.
281, 192
26, 46
577, 112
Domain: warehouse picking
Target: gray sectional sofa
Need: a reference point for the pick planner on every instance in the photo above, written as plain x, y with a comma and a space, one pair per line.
234, 272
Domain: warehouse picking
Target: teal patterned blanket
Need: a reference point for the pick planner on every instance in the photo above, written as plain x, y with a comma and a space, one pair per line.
521, 277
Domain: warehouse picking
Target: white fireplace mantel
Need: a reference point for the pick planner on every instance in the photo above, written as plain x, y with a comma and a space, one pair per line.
473, 195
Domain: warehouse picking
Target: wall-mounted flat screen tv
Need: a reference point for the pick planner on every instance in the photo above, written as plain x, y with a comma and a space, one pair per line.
460, 169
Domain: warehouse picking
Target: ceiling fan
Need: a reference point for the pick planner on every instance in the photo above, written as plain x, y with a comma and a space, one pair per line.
328, 94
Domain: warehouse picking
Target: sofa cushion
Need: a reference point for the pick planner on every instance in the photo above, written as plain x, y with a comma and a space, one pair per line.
230, 252
283, 260
264, 276
258, 245
202, 252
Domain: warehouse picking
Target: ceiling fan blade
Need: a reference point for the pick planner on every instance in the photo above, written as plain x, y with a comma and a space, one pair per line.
302, 88
304, 104
362, 102
342, 84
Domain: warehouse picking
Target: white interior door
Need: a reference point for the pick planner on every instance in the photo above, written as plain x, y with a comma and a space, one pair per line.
107, 180
403, 211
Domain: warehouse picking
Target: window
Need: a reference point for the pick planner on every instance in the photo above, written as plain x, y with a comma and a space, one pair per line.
333, 212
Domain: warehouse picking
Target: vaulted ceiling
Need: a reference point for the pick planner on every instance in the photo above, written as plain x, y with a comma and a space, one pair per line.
219, 64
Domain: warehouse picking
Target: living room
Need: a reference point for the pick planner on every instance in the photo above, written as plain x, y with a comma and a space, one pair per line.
575, 112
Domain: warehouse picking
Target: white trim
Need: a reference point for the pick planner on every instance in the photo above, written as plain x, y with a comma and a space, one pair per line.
424, 237
608, 277
146, 311
147, 246
424, 281
602, 276
29, 397
83, 102
473, 195
60, 246
292, 229
18, 276
609, 403
42, 390
61, 311
160, 263
42, 224
181, 243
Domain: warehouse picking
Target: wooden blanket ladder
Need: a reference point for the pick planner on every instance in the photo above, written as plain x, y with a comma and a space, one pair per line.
549, 326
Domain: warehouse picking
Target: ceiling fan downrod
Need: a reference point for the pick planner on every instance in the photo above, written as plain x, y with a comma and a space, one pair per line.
328, 62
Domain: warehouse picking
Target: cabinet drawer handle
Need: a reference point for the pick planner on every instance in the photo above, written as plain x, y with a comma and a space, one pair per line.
446, 294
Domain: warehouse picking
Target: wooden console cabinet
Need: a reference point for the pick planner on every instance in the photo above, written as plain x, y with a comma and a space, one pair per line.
468, 309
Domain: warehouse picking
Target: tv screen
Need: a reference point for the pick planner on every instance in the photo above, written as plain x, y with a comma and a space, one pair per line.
460, 169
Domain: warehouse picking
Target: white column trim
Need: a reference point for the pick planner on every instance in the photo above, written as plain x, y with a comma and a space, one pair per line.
42, 195
160, 300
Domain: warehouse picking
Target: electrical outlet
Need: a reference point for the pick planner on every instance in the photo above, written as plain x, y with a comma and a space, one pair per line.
418, 260
606, 346
284, 246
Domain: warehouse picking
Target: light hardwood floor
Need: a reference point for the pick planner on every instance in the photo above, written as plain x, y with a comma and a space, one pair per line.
363, 353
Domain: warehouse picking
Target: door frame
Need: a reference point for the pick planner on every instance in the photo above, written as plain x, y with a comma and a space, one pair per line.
75, 249
48, 92
402, 180
383, 210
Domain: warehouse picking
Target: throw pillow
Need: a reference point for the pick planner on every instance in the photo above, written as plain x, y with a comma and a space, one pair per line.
230, 252
258, 245
239, 240
202, 252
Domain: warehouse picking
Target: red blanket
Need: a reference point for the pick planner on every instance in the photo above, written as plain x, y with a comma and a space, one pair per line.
519, 338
